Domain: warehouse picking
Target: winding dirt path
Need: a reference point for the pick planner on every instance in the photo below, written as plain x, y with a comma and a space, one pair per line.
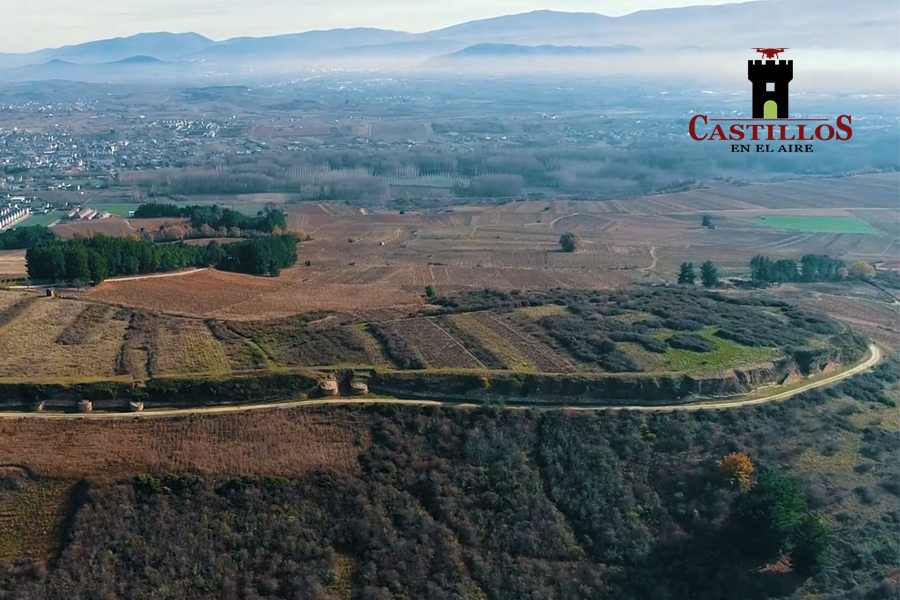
872, 358
655, 262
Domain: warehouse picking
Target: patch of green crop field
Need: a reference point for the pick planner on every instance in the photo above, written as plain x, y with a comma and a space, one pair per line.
813, 224
121, 210
45, 220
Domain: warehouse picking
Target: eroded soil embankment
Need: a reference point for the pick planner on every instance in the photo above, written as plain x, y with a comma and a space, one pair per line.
464, 386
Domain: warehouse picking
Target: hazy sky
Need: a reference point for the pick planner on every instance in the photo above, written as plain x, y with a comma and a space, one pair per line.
36, 24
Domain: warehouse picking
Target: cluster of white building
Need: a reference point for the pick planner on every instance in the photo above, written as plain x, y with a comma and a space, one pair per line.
11, 214
85, 213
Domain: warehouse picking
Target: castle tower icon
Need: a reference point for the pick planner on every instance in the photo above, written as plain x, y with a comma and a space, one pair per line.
770, 87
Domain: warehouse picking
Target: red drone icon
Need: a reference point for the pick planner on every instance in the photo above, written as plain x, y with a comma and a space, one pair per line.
770, 52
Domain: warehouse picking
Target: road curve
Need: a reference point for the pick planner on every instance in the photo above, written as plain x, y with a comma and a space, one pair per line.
872, 358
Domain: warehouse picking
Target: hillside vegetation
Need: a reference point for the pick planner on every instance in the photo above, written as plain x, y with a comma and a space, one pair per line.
449, 503
628, 331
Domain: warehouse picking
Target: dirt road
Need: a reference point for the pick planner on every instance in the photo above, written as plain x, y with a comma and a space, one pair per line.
154, 276
872, 358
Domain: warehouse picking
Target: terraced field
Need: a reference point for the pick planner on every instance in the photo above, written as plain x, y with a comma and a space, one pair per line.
532, 350
437, 347
495, 343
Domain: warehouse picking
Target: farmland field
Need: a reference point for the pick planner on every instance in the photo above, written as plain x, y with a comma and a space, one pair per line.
300, 342
289, 442
12, 264
437, 347
493, 342
9, 298
184, 346
362, 260
535, 352
40, 219
815, 224
31, 348
368, 270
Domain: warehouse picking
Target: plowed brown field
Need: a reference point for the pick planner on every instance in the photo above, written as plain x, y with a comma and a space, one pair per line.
282, 442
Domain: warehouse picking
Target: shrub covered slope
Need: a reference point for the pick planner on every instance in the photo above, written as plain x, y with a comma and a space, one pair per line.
451, 504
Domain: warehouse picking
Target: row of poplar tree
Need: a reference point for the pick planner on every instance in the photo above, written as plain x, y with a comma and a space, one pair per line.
92, 260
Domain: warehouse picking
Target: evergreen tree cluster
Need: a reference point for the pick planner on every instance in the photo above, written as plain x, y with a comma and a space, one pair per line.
92, 260
774, 520
260, 256
25, 237
812, 267
687, 275
709, 274
214, 216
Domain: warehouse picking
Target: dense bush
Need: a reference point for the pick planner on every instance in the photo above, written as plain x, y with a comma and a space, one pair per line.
590, 319
514, 504
694, 343
870, 387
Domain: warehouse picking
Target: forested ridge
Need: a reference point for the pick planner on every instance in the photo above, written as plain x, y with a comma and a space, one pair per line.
505, 505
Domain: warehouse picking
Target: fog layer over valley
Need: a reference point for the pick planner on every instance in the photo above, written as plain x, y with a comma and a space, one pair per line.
843, 44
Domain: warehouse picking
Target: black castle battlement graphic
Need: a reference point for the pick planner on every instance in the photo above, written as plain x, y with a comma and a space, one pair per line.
779, 75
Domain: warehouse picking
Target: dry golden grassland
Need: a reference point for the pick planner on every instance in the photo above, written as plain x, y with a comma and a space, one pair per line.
184, 346
9, 298
12, 264
31, 349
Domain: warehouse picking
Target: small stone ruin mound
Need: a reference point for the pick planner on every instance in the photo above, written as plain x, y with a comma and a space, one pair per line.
85, 406
358, 387
329, 387
136, 406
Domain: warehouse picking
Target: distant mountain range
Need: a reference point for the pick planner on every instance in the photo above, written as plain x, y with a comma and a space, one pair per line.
859, 26
516, 50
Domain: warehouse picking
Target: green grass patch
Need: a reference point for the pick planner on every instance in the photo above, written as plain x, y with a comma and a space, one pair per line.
633, 317
121, 210
812, 224
727, 355
41, 219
